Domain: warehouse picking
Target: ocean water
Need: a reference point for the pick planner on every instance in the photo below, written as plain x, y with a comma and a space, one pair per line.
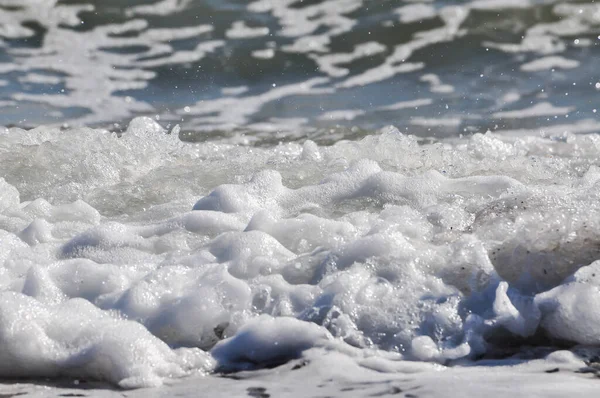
287, 69
299, 198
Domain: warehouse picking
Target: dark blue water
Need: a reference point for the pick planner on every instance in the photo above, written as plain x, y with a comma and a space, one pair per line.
288, 68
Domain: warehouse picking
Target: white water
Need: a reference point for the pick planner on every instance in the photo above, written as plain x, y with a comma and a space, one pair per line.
139, 259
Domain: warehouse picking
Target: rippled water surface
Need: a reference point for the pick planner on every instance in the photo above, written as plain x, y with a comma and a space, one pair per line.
293, 67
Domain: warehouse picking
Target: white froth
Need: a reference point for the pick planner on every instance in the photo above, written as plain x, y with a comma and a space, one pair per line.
140, 258
77, 339
415, 12
347, 114
551, 62
239, 30
436, 85
435, 122
267, 53
268, 340
539, 109
329, 63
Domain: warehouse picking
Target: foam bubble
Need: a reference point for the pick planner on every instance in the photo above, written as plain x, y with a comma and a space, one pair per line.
266, 340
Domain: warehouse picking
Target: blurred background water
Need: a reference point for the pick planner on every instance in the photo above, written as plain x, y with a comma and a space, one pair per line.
286, 69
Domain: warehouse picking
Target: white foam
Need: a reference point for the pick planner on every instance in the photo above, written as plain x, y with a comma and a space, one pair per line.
396, 62
164, 7
432, 122
551, 62
77, 339
347, 114
228, 111
415, 12
435, 83
266, 340
240, 30
267, 53
407, 104
539, 109
380, 73
135, 255
328, 63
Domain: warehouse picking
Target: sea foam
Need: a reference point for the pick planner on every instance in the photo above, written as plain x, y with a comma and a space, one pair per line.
136, 258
